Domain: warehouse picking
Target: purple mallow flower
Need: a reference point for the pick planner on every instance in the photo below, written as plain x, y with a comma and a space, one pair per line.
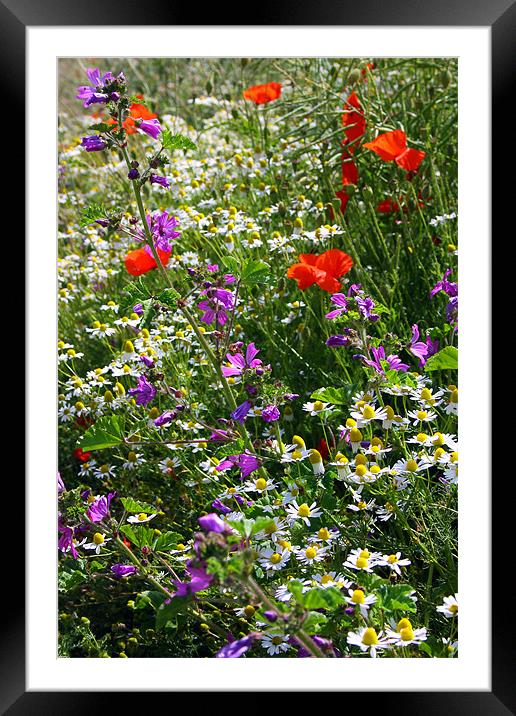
270, 414
337, 341
339, 299
99, 509
123, 570
393, 361
451, 290
162, 227
245, 461
162, 181
240, 413
238, 363
152, 127
144, 391
213, 523
200, 580
167, 417
216, 306
93, 94
236, 648
421, 350
365, 306
93, 143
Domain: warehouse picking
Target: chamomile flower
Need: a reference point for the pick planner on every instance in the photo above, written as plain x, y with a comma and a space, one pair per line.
133, 460
317, 408
261, 485
282, 593
412, 465
98, 540
368, 640
168, 465
394, 562
311, 554
303, 512
450, 606
405, 634
104, 471
367, 413
386, 512
362, 559
452, 407
325, 535
427, 397
358, 598
421, 416
360, 505
273, 561
274, 531
140, 518
342, 465
330, 579
275, 643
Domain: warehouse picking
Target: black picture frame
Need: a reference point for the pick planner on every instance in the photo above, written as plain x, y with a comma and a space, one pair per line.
15, 17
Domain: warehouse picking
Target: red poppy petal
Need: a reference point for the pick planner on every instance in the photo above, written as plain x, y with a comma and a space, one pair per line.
410, 159
388, 146
335, 262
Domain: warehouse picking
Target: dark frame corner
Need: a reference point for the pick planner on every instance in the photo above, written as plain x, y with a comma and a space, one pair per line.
500, 16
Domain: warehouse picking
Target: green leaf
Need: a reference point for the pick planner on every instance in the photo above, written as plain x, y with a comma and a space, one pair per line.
336, 396
169, 297
133, 506
101, 127
255, 272
232, 264
313, 623
396, 597
167, 541
148, 312
167, 612
68, 580
149, 598
93, 212
318, 598
140, 535
447, 359
107, 432
171, 141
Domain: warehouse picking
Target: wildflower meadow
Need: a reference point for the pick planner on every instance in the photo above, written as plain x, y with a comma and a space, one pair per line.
257, 358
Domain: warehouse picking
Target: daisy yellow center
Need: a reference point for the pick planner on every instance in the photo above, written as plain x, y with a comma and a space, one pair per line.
350, 423
365, 554
361, 505
271, 528
98, 538
323, 533
403, 624
298, 441
360, 459
422, 414
276, 640
318, 406
438, 439
453, 608
358, 596
362, 563
297, 455
355, 435
454, 396
231, 490
326, 578
275, 558
249, 610
426, 394
361, 470
368, 412
454, 456
411, 465
390, 412
370, 637
315, 457
142, 517
407, 634
261, 484
421, 437
392, 559
310, 553
304, 510
283, 543
375, 469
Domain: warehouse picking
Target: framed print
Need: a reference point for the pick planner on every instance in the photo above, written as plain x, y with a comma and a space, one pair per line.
248, 243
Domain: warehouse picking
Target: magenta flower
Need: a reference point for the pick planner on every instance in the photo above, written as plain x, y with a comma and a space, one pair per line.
245, 461
144, 391
240, 413
213, 523
93, 94
239, 364
417, 347
99, 509
236, 648
152, 127
339, 299
337, 341
365, 306
93, 143
270, 414
162, 181
393, 361
200, 580
123, 570
216, 306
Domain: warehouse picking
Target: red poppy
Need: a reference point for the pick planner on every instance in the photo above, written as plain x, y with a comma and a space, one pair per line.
324, 270
136, 111
81, 455
139, 261
261, 94
353, 120
392, 147
349, 169
344, 198
388, 206
370, 66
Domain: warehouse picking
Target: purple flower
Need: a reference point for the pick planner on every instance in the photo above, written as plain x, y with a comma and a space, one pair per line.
212, 267
270, 413
236, 648
339, 299
245, 461
200, 580
60, 484
452, 310
123, 570
354, 289
337, 341
93, 94
270, 615
162, 181
148, 361
138, 309
365, 306
291, 396
93, 143
240, 413
150, 126
323, 644
167, 417
217, 504
238, 363
218, 303
394, 361
162, 227
99, 509
144, 391
133, 174
417, 347
213, 523
449, 287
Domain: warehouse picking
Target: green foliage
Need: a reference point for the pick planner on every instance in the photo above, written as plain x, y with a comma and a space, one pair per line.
445, 359
107, 432
170, 141
93, 212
